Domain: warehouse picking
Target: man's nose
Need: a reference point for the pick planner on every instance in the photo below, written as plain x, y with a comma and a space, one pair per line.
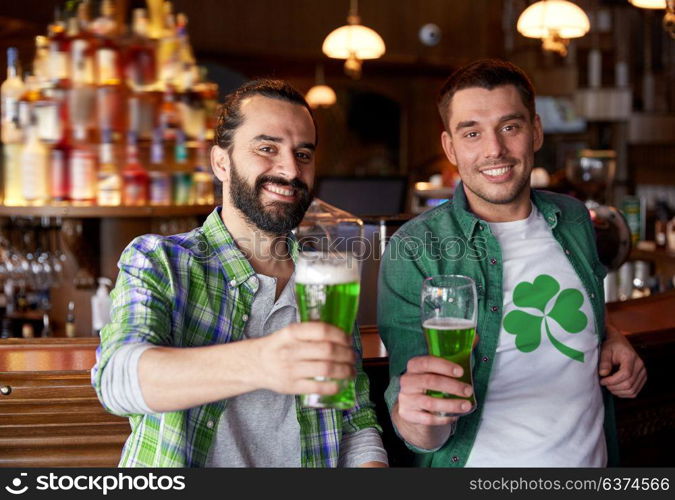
287, 165
494, 145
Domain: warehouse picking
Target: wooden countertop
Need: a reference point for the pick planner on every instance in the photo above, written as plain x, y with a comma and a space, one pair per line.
648, 314
63, 354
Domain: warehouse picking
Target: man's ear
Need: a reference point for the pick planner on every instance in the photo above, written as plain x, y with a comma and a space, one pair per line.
448, 147
220, 163
538, 134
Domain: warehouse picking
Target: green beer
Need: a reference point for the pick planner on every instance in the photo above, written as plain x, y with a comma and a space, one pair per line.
327, 289
451, 339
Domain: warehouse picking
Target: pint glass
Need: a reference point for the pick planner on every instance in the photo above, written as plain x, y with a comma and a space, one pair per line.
327, 289
448, 313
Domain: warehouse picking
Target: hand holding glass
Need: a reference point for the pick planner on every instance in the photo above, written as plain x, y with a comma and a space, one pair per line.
448, 313
327, 289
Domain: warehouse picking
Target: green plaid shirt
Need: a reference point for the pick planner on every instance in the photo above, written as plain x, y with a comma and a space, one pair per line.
196, 289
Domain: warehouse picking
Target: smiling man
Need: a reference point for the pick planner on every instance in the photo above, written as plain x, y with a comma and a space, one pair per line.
546, 362
203, 351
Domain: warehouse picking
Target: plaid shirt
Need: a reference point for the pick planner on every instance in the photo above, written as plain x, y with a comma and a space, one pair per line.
196, 289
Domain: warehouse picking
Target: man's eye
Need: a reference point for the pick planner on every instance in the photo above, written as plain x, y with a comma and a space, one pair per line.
510, 128
303, 156
266, 149
471, 135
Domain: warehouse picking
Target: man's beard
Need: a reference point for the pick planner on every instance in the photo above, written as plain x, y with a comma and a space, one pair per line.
276, 217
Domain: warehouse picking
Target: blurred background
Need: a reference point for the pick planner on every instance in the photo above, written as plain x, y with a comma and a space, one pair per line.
108, 109
122, 96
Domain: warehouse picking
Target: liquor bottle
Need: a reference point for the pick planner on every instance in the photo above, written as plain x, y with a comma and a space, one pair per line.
182, 177
108, 57
160, 181
35, 169
191, 107
168, 49
110, 107
59, 53
13, 188
70, 320
139, 62
11, 91
82, 95
187, 61
141, 115
81, 53
59, 163
82, 169
134, 176
26, 104
169, 117
203, 178
36, 104
209, 92
41, 59
109, 192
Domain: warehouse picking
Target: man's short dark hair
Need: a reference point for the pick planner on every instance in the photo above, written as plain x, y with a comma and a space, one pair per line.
230, 117
485, 74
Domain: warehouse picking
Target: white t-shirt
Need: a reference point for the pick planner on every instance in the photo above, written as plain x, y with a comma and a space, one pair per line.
544, 405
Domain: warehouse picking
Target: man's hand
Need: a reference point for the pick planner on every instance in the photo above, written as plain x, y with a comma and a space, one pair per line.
438, 374
292, 357
631, 374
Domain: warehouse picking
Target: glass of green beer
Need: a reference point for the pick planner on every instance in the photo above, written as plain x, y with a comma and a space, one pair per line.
327, 288
448, 313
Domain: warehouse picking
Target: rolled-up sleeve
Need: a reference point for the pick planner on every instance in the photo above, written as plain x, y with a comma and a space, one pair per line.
140, 310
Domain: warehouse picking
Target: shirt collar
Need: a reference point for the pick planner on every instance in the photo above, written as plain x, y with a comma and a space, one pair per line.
467, 220
550, 211
460, 206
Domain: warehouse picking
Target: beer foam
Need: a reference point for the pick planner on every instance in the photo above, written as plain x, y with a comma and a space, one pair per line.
448, 323
323, 272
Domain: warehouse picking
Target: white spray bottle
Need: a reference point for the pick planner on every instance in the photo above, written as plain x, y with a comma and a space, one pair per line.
100, 305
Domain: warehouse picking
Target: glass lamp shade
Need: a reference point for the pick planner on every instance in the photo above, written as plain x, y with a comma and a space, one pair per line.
353, 41
321, 96
553, 17
649, 4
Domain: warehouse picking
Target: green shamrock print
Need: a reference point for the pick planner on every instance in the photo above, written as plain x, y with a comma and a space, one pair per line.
566, 312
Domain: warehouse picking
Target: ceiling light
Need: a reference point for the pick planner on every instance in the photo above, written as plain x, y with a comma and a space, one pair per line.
354, 43
555, 22
649, 4
321, 95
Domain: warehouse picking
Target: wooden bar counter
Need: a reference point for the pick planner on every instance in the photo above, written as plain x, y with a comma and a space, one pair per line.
50, 415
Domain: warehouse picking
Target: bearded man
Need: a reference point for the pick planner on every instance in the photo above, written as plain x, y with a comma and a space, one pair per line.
203, 352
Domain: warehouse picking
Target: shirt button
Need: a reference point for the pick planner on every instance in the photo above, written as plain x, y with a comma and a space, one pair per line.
485, 359
493, 261
494, 308
233, 283
480, 227
455, 459
245, 317
209, 424
567, 252
592, 295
